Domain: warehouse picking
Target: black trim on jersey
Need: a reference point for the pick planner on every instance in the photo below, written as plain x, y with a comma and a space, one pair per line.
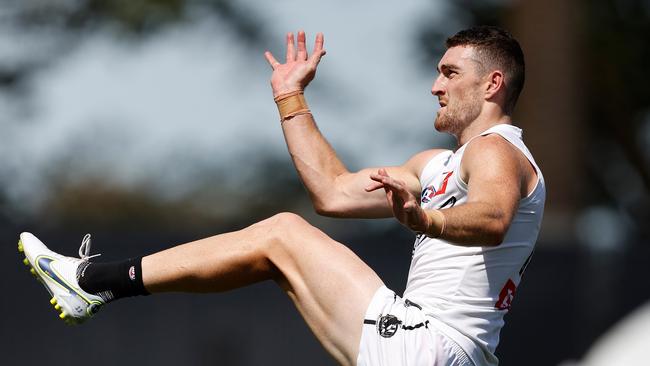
451, 202
523, 268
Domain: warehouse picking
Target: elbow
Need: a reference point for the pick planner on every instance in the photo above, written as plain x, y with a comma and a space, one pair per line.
494, 240
332, 206
496, 233
326, 208
322, 210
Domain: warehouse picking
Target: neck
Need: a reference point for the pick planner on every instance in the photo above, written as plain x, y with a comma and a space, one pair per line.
480, 124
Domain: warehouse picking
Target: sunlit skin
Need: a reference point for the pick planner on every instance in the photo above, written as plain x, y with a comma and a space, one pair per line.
468, 95
458, 90
286, 249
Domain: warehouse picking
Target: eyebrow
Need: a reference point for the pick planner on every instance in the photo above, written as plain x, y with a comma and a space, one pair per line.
445, 67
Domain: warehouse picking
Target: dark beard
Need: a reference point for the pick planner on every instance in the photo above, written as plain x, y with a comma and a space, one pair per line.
456, 118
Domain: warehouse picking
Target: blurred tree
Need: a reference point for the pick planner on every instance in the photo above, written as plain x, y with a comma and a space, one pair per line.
53, 28
617, 103
133, 17
50, 30
430, 40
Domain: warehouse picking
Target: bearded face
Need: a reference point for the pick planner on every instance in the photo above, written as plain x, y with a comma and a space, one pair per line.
458, 88
458, 111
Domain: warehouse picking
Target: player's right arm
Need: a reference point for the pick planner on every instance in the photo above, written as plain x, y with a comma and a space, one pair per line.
333, 189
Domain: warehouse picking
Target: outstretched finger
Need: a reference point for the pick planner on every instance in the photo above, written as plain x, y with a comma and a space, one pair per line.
291, 50
393, 184
318, 44
302, 46
383, 177
271, 60
386, 182
318, 52
381, 173
377, 178
373, 186
397, 187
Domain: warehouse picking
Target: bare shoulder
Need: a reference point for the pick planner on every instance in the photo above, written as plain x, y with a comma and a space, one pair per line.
489, 151
490, 147
418, 161
493, 156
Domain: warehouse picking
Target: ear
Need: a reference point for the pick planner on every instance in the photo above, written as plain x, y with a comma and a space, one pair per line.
494, 84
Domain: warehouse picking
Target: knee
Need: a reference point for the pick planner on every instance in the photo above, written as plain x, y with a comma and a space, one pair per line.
281, 227
286, 224
288, 220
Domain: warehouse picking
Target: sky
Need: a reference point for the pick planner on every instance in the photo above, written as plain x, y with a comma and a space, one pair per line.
192, 96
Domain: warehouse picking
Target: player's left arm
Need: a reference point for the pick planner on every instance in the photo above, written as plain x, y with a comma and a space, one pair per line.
493, 171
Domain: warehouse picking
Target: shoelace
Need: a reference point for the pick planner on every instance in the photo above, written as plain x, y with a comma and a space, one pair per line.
84, 249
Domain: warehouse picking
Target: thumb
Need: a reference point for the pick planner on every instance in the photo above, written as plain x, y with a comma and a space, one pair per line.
410, 206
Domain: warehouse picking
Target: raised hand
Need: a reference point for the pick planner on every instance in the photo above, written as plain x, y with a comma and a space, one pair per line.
299, 68
405, 205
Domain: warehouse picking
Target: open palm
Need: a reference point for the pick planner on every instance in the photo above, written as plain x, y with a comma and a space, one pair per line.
299, 68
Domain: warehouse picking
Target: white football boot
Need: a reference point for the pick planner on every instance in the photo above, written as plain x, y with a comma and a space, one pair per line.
58, 274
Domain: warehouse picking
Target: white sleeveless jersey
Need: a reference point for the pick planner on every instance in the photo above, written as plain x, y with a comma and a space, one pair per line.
468, 290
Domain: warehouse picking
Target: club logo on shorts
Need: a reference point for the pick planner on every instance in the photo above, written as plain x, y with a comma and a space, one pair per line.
132, 273
387, 325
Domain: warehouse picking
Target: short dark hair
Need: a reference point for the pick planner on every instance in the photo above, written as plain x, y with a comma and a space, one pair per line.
496, 48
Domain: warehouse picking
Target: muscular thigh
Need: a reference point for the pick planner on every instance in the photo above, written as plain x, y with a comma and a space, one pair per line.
329, 284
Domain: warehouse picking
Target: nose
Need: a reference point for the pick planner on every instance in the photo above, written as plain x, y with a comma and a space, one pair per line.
438, 86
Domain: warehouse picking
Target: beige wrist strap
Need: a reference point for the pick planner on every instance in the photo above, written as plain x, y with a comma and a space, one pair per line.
443, 221
291, 104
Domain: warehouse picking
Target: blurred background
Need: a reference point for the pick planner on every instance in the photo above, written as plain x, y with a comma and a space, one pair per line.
149, 123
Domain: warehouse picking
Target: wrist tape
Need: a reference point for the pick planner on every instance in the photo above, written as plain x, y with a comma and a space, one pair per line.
291, 104
443, 223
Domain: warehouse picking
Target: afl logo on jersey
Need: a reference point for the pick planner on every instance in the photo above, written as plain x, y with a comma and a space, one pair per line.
387, 325
429, 192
